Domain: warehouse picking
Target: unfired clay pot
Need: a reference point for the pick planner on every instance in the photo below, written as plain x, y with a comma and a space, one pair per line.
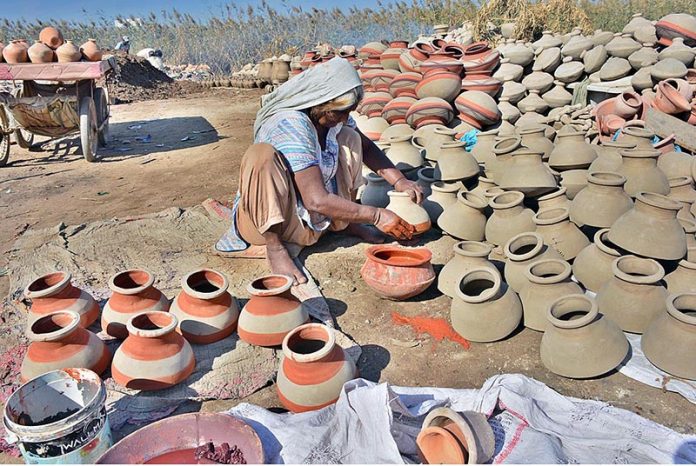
669, 342
593, 266
533, 103
68, 52
509, 218
206, 311
484, 308
154, 356
554, 199
560, 233
454, 163
468, 255
579, 342
640, 137
571, 152
483, 150
675, 164
448, 437
430, 137
465, 219
272, 311
601, 202
403, 154
313, 369
679, 51
558, 96
526, 173
397, 273
608, 157
402, 205
54, 292
521, 251
442, 196
641, 172
548, 280
622, 46
681, 188
428, 111
574, 181
682, 279
395, 113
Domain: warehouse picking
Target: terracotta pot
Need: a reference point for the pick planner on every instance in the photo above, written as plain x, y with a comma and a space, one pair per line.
272, 311
655, 217
313, 369
593, 266
526, 173
454, 163
397, 273
468, 255
465, 219
403, 154
54, 292
477, 108
154, 356
40, 53
601, 202
635, 295
375, 193
574, 181
484, 308
430, 110
677, 25
627, 105
59, 342
68, 52
402, 205
678, 324
206, 311
15, 53
559, 233
442, 196
448, 437
579, 342
482, 150
442, 60
51, 36
669, 100
641, 172
571, 152
554, 199
132, 293
548, 280
91, 51
509, 218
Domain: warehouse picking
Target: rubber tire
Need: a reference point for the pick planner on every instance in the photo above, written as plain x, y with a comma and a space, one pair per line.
4, 138
88, 129
101, 99
24, 139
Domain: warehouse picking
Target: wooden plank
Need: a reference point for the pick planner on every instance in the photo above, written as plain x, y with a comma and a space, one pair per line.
664, 125
55, 71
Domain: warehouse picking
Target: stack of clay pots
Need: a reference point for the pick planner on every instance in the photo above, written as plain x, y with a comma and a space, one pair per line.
50, 47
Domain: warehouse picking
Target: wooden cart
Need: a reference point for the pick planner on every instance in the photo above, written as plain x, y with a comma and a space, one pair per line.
55, 100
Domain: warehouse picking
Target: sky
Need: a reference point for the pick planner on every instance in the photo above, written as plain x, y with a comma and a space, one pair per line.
72, 9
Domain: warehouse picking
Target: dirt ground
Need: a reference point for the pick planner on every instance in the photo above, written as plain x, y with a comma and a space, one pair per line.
195, 147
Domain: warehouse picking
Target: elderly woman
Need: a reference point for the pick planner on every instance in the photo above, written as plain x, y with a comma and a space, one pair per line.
300, 177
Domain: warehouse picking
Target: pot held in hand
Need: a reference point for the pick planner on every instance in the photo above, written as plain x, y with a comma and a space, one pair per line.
403, 206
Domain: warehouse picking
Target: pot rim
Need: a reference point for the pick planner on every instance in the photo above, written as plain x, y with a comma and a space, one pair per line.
618, 145
561, 191
483, 273
516, 143
678, 313
149, 281
606, 178
678, 181
472, 442
445, 187
374, 177
472, 200
437, 431
256, 290
424, 177
558, 277
329, 343
492, 192
222, 287
397, 138
599, 241
531, 130
589, 317
154, 333
637, 131
657, 273
517, 199
658, 200
422, 255
469, 249
60, 285
561, 214
56, 334
538, 246
640, 153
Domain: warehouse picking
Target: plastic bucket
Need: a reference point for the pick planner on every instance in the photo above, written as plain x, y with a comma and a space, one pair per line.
59, 418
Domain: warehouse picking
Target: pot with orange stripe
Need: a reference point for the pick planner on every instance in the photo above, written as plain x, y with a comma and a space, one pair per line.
54, 292
59, 342
133, 293
271, 313
313, 369
154, 356
207, 312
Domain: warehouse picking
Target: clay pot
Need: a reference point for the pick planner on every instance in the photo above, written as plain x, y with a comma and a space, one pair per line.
206, 311
509, 218
395, 110
428, 111
441, 61
68, 52
430, 137
313, 369
548, 280
272, 311
399, 129
677, 325
521, 251
484, 308
375, 193
674, 164
641, 138
679, 51
635, 294
526, 173
655, 217
571, 152
502, 155
553, 200
667, 69
569, 71
509, 113
373, 103
677, 25
558, 232
54, 292
682, 279
483, 148
403, 154
594, 58
615, 68
622, 46
381, 79
627, 104
154, 356
512, 91
593, 266
608, 157
579, 342
558, 96
40, 53
465, 219
538, 81
479, 56
15, 53
574, 181
682, 189
454, 163
425, 179
51, 36
533, 138
389, 59
59, 342
601, 202
91, 51
397, 273
448, 437
132, 293
402, 205
442, 84
481, 81
669, 100
477, 108
519, 54
468, 255
547, 60
442, 196
404, 84
533, 103
643, 58
547, 40
577, 44
508, 70
641, 172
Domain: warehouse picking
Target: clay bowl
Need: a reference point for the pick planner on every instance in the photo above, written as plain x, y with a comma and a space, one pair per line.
173, 440
396, 272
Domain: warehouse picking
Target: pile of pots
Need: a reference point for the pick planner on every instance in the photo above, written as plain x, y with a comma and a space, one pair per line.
157, 335
50, 47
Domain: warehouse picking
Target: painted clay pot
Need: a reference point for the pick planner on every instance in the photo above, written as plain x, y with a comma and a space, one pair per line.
397, 273
454, 163
404, 85
571, 152
635, 295
448, 437
526, 173
442, 196
481, 81
132, 293
402, 205
483, 148
677, 25
477, 108
559, 233
465, 219
678, 324
40, 53
375, 193
54, 292
403, 154
601, 202
15, 53
271, 312
674, 164
91, 51
154, 356
533, 103
468, 255
371, 49
428, 111
641, 172
554, 199
521, 251
51, 36
580, 342
533, 138
381, 79
548, 280
373, 103
59, 342
509, 218
313, 369
395, 110
574, 181
484, 308
441, 61
538, 81
390, 58
479, 56
593, 266
68, 52
679, 52
206, 311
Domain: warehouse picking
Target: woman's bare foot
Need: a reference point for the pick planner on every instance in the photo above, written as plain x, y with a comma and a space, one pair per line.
281, 263
365, 232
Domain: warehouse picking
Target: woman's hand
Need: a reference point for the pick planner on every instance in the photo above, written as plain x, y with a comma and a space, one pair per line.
404, 185
391, 224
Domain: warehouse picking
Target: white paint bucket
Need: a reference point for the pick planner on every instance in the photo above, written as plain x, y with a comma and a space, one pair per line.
59, 418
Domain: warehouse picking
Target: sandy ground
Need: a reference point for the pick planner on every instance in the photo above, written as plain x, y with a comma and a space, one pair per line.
43, 188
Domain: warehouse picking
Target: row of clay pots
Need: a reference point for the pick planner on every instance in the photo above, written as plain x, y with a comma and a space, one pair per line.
18, 51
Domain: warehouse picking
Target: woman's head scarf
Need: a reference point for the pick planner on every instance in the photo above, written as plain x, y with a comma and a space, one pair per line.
315, 86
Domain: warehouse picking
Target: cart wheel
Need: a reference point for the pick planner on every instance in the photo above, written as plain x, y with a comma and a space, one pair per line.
88, 129
4, 137
24, 138
101, 99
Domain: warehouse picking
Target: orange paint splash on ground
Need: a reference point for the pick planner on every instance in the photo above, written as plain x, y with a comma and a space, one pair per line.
436, 327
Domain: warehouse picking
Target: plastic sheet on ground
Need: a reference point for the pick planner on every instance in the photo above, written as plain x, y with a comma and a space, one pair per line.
532, 423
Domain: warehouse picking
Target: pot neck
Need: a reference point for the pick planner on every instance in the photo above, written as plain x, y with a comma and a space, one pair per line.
56, 326
682, 306
299, 344
472, 249
205, 284
638, 271
560, 312
270, 285
532, 243
601, 240
548, 271
152, 324
657, 205
479, 285
49, 285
